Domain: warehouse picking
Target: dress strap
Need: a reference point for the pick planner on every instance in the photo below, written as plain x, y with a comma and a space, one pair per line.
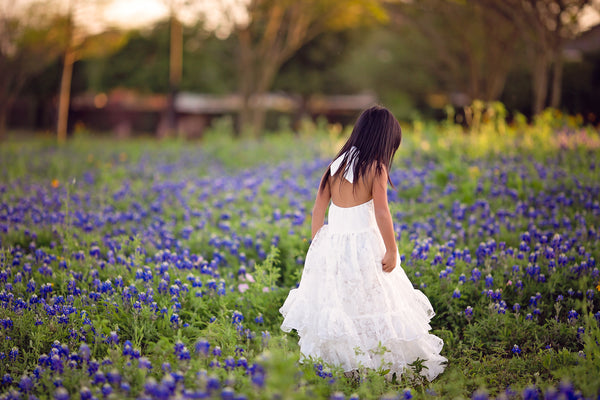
349, 171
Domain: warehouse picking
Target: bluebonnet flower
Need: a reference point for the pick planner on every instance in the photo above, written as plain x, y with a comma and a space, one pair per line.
25, 384
456, 294
573, 315
530, 393
489, 281
213, 383
125, 387
13, 354
174, 290
127, 348
590, 294
144, 363
113, 377
184, 354
162, 286
469, 313
92, 367
480, 395
227, 394
229, 363
99, 378
242, 362
61, 394
113, 338
6, 323
106, 390
7, 379
519, 284
516, 350
237, 317
202, 347
31, 285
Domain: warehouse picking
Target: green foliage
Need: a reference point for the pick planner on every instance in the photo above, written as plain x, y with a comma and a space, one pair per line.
143, 63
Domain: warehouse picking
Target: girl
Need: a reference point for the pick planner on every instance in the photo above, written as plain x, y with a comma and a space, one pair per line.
355, 306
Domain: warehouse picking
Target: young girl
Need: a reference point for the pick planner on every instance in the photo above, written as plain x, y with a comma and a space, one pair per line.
355, 306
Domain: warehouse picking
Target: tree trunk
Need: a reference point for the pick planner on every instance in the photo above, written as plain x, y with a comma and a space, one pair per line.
557, 73
300, 113
246, 80
3, 117
175, 71
474, 91
247, 92
244, 115
64, 98
540, 81
259, 116
266, 75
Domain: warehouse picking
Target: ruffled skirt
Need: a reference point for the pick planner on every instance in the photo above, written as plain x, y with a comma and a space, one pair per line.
348, 312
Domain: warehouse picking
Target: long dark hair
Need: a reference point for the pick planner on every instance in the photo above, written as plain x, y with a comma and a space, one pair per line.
376, 136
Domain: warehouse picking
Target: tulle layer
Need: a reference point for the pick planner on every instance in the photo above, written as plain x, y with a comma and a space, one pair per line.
348, 312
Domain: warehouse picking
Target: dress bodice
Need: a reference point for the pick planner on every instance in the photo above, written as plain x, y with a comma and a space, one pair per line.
352, 219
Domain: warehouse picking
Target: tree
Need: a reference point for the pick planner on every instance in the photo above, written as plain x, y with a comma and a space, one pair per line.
315, 68
30, 40
80, 44
189, 12
468, 48
175, 58
546, 25
141, 63
276, 30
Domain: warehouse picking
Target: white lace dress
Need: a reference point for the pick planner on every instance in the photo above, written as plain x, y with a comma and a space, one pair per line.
348, 312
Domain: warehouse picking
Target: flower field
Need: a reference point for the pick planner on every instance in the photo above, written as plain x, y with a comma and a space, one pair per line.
155, 270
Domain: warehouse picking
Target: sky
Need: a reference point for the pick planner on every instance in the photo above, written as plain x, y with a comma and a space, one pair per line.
137, 13
220, 15
96, 15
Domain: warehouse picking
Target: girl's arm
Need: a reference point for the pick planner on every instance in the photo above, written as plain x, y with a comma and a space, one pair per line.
321, 203
384, 220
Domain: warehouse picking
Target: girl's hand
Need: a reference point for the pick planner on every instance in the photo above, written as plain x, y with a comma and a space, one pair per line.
389, 261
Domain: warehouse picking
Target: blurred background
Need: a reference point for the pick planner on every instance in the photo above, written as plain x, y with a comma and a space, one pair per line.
176, 67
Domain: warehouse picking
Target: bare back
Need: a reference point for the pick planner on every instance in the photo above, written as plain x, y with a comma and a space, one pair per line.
346, 194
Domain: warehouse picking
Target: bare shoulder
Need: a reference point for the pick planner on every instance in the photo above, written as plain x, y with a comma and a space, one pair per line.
377, 172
